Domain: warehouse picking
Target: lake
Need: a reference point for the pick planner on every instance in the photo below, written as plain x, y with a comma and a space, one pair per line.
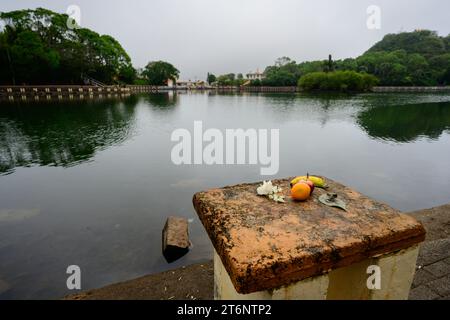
91, 183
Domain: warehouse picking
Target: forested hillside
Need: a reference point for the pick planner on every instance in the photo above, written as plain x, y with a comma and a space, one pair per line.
420, 58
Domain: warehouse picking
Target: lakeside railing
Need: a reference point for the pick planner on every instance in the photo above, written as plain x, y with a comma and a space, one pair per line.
59, 91
47, 92
44, 90
258, 89
412, 89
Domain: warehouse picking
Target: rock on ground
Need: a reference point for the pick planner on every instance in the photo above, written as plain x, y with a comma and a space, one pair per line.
175, 238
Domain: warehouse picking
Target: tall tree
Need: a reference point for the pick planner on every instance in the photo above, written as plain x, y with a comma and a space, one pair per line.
158, 72
211, 78
5, 59
38, 47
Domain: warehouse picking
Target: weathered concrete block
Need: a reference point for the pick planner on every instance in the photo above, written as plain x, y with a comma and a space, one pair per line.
397, 274
346, 283
175, 238
309, 289
265, 246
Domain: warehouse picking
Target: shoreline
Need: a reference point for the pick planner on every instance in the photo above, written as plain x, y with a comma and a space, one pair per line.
196, 282
10, 92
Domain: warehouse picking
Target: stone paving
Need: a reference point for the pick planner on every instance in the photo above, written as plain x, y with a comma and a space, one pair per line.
432, 279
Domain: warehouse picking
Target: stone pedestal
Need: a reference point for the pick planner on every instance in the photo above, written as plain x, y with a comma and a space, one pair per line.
306, 250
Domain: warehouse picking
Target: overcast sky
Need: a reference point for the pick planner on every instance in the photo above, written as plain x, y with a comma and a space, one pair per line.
223, 36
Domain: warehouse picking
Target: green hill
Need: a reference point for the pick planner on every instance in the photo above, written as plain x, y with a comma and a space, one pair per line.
424, 42
418, 58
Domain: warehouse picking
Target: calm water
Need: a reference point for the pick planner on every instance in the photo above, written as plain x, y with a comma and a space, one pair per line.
91, 183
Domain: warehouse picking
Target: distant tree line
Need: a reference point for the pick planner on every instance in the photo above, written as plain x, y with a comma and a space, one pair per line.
229, 79
37, 47
419, 58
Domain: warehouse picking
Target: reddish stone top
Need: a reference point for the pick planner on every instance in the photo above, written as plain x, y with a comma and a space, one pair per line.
264, 245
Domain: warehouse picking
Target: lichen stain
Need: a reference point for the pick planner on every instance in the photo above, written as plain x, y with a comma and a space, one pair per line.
262, 242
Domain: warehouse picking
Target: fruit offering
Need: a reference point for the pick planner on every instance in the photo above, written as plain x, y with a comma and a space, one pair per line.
318, 182
301, 191
311, 185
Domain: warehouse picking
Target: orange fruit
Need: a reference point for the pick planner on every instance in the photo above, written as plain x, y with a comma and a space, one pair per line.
300, 191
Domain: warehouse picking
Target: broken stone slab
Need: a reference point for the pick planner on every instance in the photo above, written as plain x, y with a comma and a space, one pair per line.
4, 286
262, 246
175, 238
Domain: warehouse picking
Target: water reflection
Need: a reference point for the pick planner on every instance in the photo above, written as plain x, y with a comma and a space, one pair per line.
406, 123
48, 133
162, 99
106, 215
51, 133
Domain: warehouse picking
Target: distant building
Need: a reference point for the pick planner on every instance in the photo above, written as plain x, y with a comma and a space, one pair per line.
170, 83
192, 84
255, 75
185, 83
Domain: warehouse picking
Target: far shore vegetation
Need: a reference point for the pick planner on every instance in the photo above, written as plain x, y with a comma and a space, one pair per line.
337, 81
37, 47
418, 58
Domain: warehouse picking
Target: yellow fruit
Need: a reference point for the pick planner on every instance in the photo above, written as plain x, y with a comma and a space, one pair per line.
318, 182
300, 191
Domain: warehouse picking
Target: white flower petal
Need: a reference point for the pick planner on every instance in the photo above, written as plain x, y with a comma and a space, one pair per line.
265, 188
